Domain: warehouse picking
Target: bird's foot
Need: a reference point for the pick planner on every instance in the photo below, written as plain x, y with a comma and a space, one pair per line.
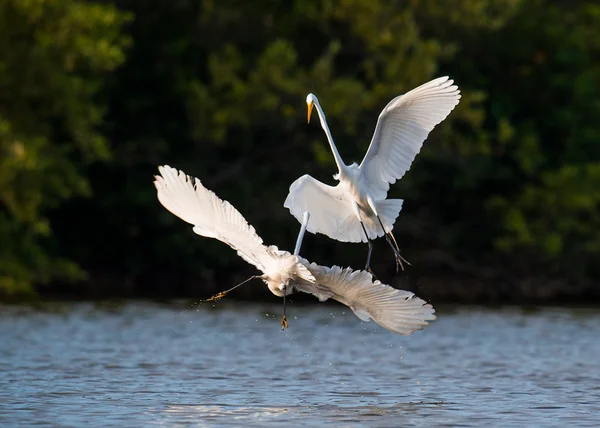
284, 323
399, 264
391, 240
399, 260
216, 297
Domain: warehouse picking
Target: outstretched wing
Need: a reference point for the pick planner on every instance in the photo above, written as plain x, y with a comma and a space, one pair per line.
330, 211
212, 217
399, 311
402, 127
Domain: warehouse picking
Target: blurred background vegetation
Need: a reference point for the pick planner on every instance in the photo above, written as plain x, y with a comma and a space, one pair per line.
502, 204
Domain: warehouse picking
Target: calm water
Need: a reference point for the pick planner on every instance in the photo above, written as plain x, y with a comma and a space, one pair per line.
169, 365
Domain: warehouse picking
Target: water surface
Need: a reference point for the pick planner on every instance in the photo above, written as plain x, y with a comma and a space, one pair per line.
145, 364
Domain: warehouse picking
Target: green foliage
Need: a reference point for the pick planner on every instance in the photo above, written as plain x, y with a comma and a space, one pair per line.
549, 208
507, 184
53, 57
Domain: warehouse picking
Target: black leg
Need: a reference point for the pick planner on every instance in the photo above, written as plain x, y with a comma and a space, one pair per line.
224, 293
284, 323
392, 242
368, 264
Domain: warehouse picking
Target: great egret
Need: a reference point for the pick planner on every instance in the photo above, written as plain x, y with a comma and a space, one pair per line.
397, 310
357, 209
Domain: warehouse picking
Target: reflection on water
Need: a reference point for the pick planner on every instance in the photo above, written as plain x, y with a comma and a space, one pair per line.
143, 364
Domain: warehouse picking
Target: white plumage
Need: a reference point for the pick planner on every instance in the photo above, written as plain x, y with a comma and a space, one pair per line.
212, 217
361, 194
401, 129
397, 310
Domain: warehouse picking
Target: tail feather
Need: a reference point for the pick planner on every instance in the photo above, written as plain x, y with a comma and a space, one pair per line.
389, 210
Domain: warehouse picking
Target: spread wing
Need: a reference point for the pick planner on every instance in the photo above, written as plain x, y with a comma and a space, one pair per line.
401, 129
330, 212
212, 217
399, 311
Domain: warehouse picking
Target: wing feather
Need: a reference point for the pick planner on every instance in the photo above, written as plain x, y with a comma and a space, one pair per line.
211, 217
330, 210
401, 129
399, 311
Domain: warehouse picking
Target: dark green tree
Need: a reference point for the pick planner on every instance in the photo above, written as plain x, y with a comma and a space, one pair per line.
502, 201
54, 56
217, 89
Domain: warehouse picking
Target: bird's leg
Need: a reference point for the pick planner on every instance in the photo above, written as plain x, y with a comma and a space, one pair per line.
368, 264
284, 323
391, 240
305, 217
222, 294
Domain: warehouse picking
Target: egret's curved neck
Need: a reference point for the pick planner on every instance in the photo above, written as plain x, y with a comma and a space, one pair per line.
338, 159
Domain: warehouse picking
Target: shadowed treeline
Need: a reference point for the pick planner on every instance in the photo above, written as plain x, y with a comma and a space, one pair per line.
502, 204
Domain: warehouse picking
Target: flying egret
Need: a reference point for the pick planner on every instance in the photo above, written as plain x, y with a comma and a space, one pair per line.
397, 310
357, 209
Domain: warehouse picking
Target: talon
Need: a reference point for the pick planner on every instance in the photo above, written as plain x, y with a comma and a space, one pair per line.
284, 323
391, 240
399, 260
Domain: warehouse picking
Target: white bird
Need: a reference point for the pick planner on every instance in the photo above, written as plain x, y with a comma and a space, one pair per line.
356, 210
397, 310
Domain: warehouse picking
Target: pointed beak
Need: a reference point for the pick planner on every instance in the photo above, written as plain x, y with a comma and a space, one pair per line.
310, 107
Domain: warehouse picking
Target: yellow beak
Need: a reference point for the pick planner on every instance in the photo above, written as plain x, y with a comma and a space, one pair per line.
310, 107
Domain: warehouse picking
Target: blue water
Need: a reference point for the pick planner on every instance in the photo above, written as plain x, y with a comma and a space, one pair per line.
229, 364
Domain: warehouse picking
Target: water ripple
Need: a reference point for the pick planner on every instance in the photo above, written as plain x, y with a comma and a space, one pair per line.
142, 364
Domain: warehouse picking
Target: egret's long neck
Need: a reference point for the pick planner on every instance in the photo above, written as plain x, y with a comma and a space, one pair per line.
305, 218
338, 159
